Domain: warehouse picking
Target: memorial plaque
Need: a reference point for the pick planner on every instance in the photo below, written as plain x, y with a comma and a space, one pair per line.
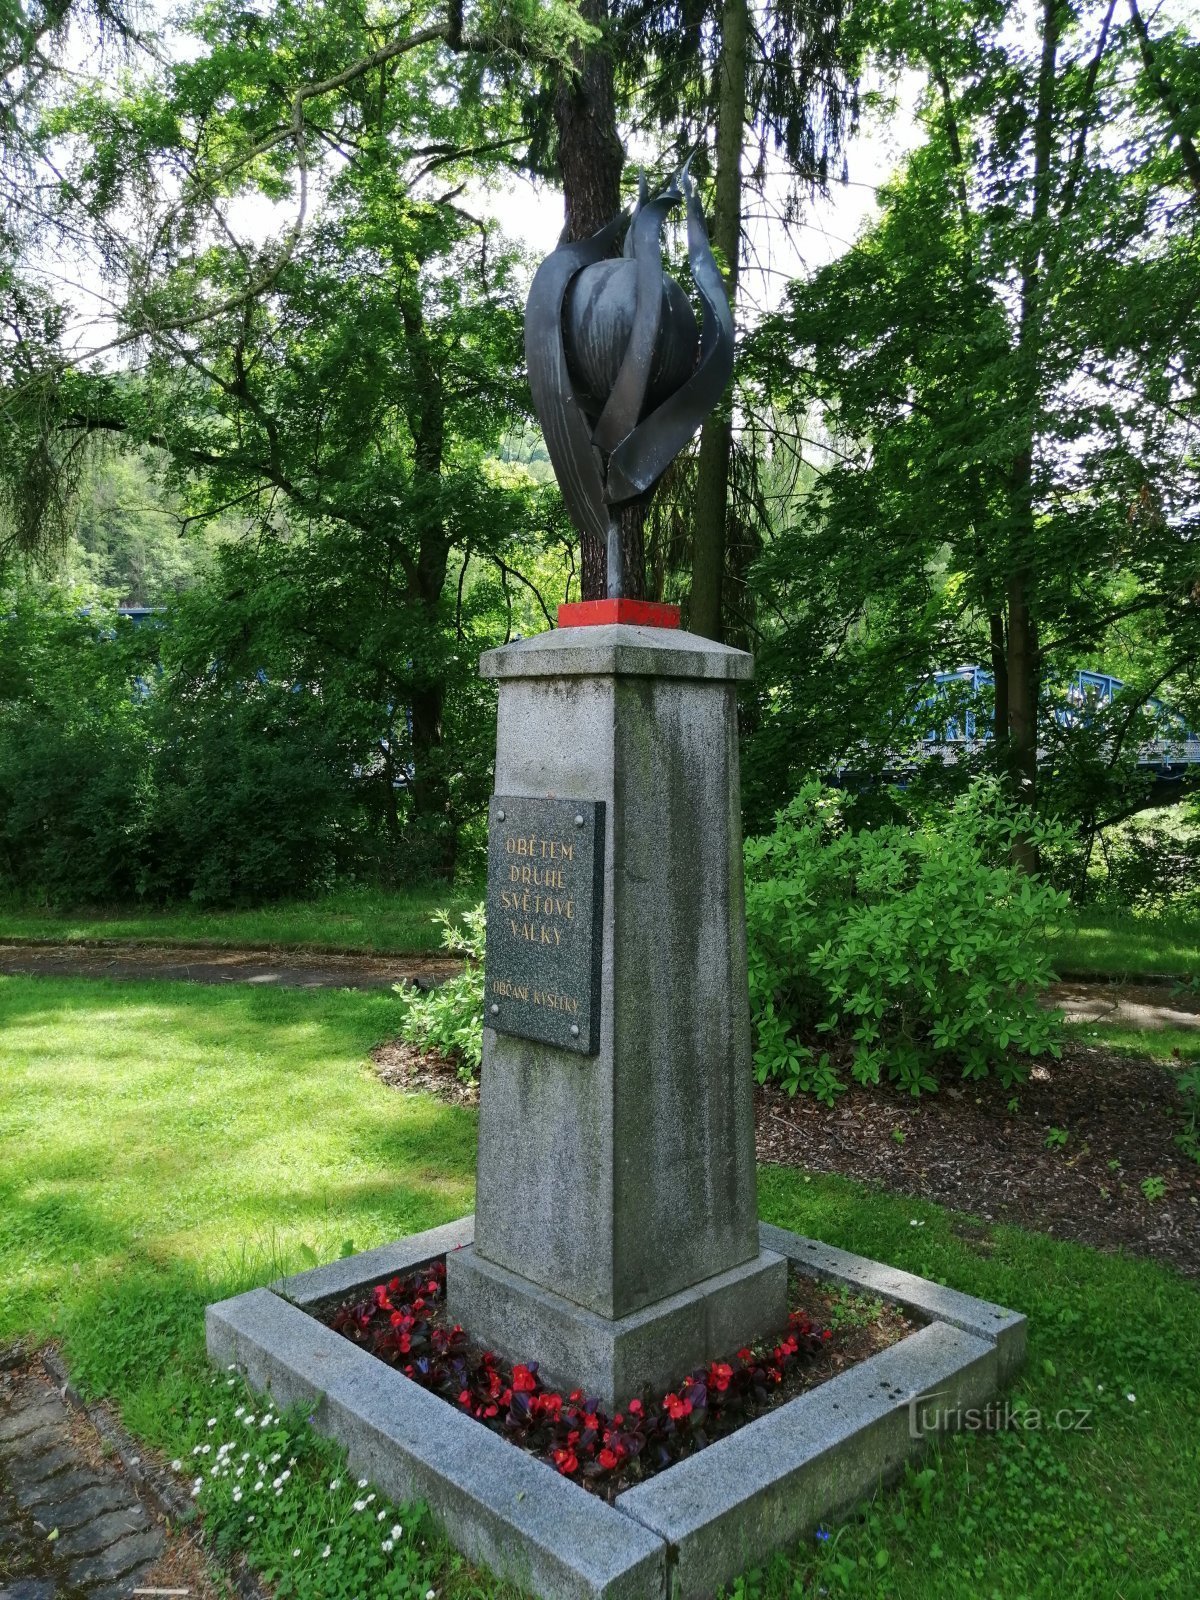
545, 903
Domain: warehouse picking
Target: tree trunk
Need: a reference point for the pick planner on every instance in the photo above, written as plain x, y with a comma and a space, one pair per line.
716, 437
1022, 655
427, 422
591, 159
1023, 679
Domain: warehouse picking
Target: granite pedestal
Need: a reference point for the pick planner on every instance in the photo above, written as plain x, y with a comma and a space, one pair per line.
616, 1237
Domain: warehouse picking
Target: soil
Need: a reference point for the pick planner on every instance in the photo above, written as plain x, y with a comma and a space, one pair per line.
965, 1149
406, 1066
289, 969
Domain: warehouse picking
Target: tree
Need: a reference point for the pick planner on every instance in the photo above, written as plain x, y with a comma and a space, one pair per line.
349, 371
1008, 362
739, 85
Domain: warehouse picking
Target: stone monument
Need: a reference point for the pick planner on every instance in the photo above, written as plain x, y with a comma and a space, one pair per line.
616, 1240
616, 1232
616, 1235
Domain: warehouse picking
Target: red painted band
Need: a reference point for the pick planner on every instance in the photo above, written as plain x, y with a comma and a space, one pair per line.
642, 613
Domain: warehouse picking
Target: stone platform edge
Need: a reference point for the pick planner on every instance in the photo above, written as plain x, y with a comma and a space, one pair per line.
681, 1534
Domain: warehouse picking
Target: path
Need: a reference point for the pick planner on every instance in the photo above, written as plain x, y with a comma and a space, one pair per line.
1148, 1006
70, 1526
1136, 1005
289, 969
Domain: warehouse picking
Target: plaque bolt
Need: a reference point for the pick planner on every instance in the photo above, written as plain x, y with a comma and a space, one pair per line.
579, 819
496, 1010
499, 816
574, 1030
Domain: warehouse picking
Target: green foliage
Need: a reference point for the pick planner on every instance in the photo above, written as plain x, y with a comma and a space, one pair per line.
270, 1488
976, 378
198, 1170
916, 948
75, 759
450, 1017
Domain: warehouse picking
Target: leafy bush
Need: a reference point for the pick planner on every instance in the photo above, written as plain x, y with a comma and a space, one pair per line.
450, 1017
917, 948
75, 753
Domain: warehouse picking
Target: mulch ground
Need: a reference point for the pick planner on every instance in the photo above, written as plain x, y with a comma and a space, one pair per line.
965, 1149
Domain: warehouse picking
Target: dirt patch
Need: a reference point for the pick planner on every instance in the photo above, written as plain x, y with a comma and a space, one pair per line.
966, 1149
288, 969
406, 1066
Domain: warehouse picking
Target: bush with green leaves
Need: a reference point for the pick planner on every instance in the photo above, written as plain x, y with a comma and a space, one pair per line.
912, 950
450, 1017
75, 749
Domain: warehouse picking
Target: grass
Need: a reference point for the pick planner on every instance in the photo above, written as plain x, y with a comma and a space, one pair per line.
398, 921
1115, 944
161, 1146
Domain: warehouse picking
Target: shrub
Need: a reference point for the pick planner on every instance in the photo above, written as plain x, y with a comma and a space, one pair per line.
450, 1017
75, 752
917, 948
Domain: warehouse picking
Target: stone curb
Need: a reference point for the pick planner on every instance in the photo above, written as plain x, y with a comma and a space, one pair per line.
994, 1324
352, 1273
682, 1533
771, 1483
500, 1506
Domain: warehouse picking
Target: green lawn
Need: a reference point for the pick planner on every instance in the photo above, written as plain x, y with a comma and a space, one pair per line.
386, 921
162, 1146
1112, 944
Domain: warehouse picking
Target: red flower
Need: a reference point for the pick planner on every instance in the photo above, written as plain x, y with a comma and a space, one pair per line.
608, 1459
828, 1334
635, 1408
573, 1436
719, 1375
464, 1398
745, 1354
548, 1405
676, 1408
524, 1381
380, 1295
566, 1461
404, 1343
591, 1420
575, 1396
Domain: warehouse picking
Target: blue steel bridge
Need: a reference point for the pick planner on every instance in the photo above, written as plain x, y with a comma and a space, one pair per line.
957, 720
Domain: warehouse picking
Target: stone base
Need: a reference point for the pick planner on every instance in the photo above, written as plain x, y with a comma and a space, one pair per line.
681, 1535
613, 1358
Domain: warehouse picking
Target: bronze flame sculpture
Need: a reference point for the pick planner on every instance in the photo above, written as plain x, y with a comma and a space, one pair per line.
621, 375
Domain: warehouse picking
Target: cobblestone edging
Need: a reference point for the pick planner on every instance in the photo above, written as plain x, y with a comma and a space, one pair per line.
68, 1528
106, 1515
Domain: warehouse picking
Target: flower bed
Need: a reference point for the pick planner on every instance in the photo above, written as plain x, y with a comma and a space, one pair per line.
403, 1322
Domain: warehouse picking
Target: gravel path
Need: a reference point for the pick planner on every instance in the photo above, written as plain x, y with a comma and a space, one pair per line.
288, 969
